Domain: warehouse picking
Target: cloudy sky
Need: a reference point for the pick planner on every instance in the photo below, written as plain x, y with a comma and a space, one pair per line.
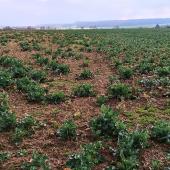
35, 12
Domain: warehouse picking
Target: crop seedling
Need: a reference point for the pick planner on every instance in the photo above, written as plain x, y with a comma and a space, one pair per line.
38, 75
56, 98
24, 128
87, 158
67, 130
40, 60
119, 91
5, 79
4, 156
161, 131
25, 46
38, 161
85, 63
83, 90
107, 124
163, 71
125, 72
86, 74
101, 100
7, 118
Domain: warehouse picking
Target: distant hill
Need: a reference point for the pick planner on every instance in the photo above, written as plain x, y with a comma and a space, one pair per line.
111, 24
125, 23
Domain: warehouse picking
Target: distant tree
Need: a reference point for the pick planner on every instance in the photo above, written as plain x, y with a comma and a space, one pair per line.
157, 26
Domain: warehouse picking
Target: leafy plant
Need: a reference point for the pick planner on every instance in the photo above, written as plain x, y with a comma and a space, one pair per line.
86, 74
4, 156
40, 60
38, 161
101, 100
125, 72
163, 71
85, 63
38, 75
84, 90
5, 79
87, 158
56, 98
161, 131
7, 118
33, 91
24, 128
119, 91
107, 124
25, 46
67, 130
155, 164
59, 68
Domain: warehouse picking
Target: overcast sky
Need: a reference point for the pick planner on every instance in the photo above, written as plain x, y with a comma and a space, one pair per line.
35, 12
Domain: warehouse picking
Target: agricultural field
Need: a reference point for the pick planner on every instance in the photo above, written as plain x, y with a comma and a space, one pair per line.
85, 99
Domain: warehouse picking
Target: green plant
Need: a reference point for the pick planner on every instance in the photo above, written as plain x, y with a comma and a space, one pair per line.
18, 71
56, 98
87, 158
9, 61
130, 163
86, 74
107, 124
4, 156
129, 145
36, 46
125, 72
155, 164
40, 60
85, 63
67, 130
5, 79
25, 46
7, 118
33, 91
119, 91
101, 100
145, 67
38, 75
84, 90
59, 68
163, 71
161, 131
24, 128
38, 161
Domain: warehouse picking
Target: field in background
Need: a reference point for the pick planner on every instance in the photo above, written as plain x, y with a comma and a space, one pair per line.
85, 99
